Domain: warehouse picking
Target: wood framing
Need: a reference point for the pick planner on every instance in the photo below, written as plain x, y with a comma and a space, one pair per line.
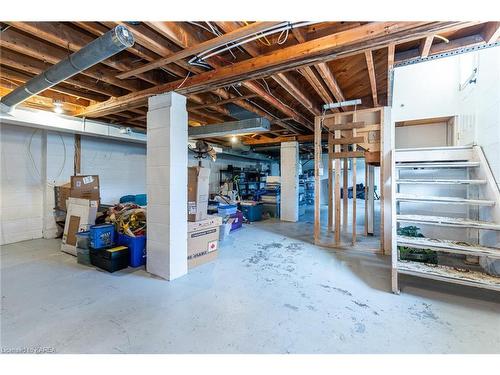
351, 135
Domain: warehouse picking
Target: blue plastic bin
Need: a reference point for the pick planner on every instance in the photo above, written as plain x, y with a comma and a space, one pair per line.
141, 199
136, 247
102, 236
227, 209
252, 213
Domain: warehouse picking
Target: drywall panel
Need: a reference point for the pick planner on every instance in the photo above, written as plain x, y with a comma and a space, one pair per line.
432, 135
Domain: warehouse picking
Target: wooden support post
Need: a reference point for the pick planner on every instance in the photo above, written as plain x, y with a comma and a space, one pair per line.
345, 198
354, 148
78, 155
330, 183
366, 198
317, 173
371, 198
337, 192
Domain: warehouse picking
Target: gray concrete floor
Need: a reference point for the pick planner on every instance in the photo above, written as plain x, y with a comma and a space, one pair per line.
270, 291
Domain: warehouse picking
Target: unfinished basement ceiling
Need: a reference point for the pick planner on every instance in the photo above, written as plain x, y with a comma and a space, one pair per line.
288, 88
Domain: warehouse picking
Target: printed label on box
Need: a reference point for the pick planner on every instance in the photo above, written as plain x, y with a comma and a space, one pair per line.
191, 208
212, 246
88, 180
78, 184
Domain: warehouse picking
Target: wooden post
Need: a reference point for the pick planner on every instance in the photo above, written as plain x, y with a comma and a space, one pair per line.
337, 191
371, 199
366, 199
78, 155
317, 174
330, 183
345, 186
354, 148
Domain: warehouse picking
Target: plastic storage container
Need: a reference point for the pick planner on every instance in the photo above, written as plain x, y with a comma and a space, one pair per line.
82, 240
110, 260
136, 247
102, 236
227, 209
83, 256
252, 213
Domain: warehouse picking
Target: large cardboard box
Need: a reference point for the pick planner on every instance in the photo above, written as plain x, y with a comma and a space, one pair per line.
203, 240
62, 193
85, 187
198, 193
80, 215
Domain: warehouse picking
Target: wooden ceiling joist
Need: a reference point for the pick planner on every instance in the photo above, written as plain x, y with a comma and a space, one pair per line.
292, 87
62, 35
390, 66
330, 81
36, 66
491, 32
316, 84
200, 47
372, 75
381, 33
425, 46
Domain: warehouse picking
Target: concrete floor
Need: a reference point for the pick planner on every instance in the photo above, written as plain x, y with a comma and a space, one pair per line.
270, 291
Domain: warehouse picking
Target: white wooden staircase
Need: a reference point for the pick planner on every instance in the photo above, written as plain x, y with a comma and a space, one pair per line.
462, 171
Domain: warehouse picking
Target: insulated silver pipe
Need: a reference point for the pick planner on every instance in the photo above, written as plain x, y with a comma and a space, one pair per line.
107, 45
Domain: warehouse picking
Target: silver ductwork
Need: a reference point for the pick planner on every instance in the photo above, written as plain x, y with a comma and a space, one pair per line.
107, 45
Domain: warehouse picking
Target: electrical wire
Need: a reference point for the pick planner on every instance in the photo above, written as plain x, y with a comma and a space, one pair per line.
183, 82
280, 41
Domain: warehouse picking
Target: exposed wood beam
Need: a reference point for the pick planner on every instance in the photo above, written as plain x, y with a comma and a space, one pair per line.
425, 46
491, 32
442, 47
45, 101
21, 43
330, 81
299, 138
316, 84
374, 35
200, 47
35, 65
282, 79
223, 102
21, 78
289, 85
371, 74
137, 49
277, 103
70, 39
390, 66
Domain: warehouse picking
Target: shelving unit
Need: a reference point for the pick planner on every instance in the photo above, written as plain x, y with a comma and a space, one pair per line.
433, 161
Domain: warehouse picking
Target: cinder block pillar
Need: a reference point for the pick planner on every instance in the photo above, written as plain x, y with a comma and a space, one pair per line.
289, 181
167, 135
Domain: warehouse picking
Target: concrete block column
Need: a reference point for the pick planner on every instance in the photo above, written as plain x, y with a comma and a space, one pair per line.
289, 181
167, 160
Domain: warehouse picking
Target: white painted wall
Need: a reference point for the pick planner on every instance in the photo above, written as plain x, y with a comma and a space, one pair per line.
434, 135
121, 167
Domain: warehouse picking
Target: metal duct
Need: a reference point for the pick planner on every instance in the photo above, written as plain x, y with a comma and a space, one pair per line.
100, 49
253, 125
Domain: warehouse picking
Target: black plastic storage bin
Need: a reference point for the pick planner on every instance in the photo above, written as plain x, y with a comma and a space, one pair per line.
111, 260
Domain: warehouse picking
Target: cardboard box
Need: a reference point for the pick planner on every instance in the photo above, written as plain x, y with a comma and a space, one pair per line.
61, 194
203, 240
80, 216
198, 193
85, 187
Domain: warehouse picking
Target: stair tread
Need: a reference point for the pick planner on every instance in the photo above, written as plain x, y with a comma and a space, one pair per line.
451, 164
434, 148
448, 221
423, 198
440, 181
445, 273
447, 245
